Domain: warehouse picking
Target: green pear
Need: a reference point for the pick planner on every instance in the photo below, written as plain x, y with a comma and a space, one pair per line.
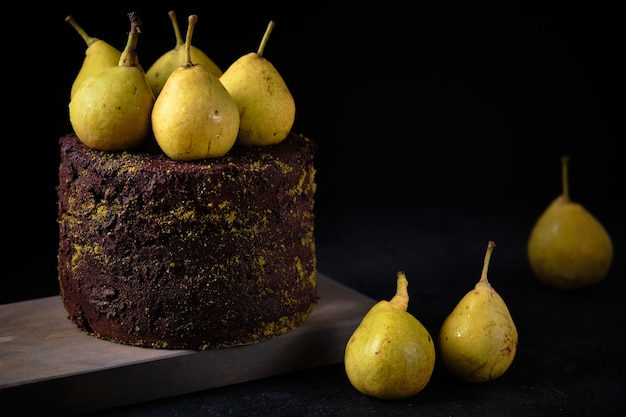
111, 110
194, 117
266, 106
390, 355
98, 55
161, 69
568, 247
478, 340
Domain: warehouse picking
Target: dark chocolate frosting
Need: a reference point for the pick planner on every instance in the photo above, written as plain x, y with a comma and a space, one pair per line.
187, 255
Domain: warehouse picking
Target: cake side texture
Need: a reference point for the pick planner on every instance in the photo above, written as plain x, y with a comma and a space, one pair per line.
187, 255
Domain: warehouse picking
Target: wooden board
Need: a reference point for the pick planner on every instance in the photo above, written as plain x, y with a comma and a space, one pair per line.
47, 365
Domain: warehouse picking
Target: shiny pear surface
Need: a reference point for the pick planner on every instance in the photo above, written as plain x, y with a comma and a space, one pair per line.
266, 106
568, 247
171, 60
111, 111
194, 117
390, 355
98, 55
163, 67
478, 339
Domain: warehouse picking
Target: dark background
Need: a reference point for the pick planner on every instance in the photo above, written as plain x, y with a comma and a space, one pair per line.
453, 105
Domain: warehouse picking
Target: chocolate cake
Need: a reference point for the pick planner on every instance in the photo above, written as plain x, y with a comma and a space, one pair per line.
187, 255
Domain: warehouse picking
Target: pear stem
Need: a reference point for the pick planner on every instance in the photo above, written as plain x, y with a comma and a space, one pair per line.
179, 37
89, 40
187, 58
564, 175
483, 276
401, 299
266, 36
129, 56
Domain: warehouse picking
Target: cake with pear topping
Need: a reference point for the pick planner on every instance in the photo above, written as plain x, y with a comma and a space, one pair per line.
182, 236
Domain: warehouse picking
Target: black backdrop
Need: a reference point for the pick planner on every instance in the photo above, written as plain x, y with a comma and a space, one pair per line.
441, 105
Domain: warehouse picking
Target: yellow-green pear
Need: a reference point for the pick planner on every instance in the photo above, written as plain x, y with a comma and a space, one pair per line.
390, 355
98, 55
161, 69
478, 340
111, 110
568, 247
266, 106
194, 117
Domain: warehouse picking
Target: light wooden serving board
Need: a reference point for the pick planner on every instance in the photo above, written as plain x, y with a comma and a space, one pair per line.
48, 365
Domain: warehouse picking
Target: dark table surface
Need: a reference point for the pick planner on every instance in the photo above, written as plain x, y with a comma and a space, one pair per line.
570, 360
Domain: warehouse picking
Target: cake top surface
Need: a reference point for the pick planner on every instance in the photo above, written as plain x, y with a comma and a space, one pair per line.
295, 145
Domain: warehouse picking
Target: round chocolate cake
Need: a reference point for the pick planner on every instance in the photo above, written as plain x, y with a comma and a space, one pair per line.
187, 255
